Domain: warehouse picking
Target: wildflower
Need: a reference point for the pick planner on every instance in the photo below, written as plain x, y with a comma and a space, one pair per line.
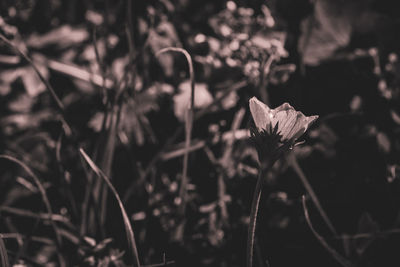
276, 129
275, 132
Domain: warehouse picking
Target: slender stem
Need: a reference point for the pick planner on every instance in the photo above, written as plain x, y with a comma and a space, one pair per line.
128, 227
264, 72
296, 167
253, 218
339, 258
3, 253
188, 125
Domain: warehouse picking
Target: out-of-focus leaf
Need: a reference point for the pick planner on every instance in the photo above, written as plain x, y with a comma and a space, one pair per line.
94, 17
356, 103
118, 67
78, 73
395, 117
132, 119
327, 30
96, 121
22, 104
160, 88
7, 77
18, 122
32, 83
63, 36
202, 98
274, 43
383, 142
161, 37
281, 74
89, 53
228, 101
9, 59
326, 138
45, 255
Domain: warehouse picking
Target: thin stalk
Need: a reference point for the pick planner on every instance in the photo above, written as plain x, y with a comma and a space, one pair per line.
253, 217
197, 115
45, 200
264, 72
56, 99
188, 125
3, 253
339, 258
64, 184
128, 227
102, 67
41, 190
296, 167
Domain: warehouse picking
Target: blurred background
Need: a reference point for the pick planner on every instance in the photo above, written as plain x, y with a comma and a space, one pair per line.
94, 75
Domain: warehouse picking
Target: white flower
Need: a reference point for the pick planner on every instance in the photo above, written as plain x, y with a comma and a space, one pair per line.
291, 124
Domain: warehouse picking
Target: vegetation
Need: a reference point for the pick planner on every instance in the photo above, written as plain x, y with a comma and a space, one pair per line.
125, 133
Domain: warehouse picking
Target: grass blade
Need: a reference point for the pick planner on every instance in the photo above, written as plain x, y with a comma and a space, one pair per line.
45, 201
297, 169
41, 190
60, 105
339, 258
188, 137
127, 224
3, 253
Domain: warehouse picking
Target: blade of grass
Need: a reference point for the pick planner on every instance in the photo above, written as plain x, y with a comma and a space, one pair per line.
297, 169
199, 114
188, 134
26, 259
41, 190
339, 258
78, 73
3, 253
45, 201
264, 71
225, 162
17, 236
381, 234
178, 150
25, 56
64, 182
130, 40
127, 224
23, 245
106, 162
56, 99
102, 67
42, 216
86, 199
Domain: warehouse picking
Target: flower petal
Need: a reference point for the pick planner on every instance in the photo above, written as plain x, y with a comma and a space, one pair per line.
304, 123
261, 114
298, 128
289, 123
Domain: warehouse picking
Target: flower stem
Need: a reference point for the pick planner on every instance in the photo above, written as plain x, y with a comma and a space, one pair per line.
253, 218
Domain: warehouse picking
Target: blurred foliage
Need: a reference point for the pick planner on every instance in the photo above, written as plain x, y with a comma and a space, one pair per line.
126, 106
